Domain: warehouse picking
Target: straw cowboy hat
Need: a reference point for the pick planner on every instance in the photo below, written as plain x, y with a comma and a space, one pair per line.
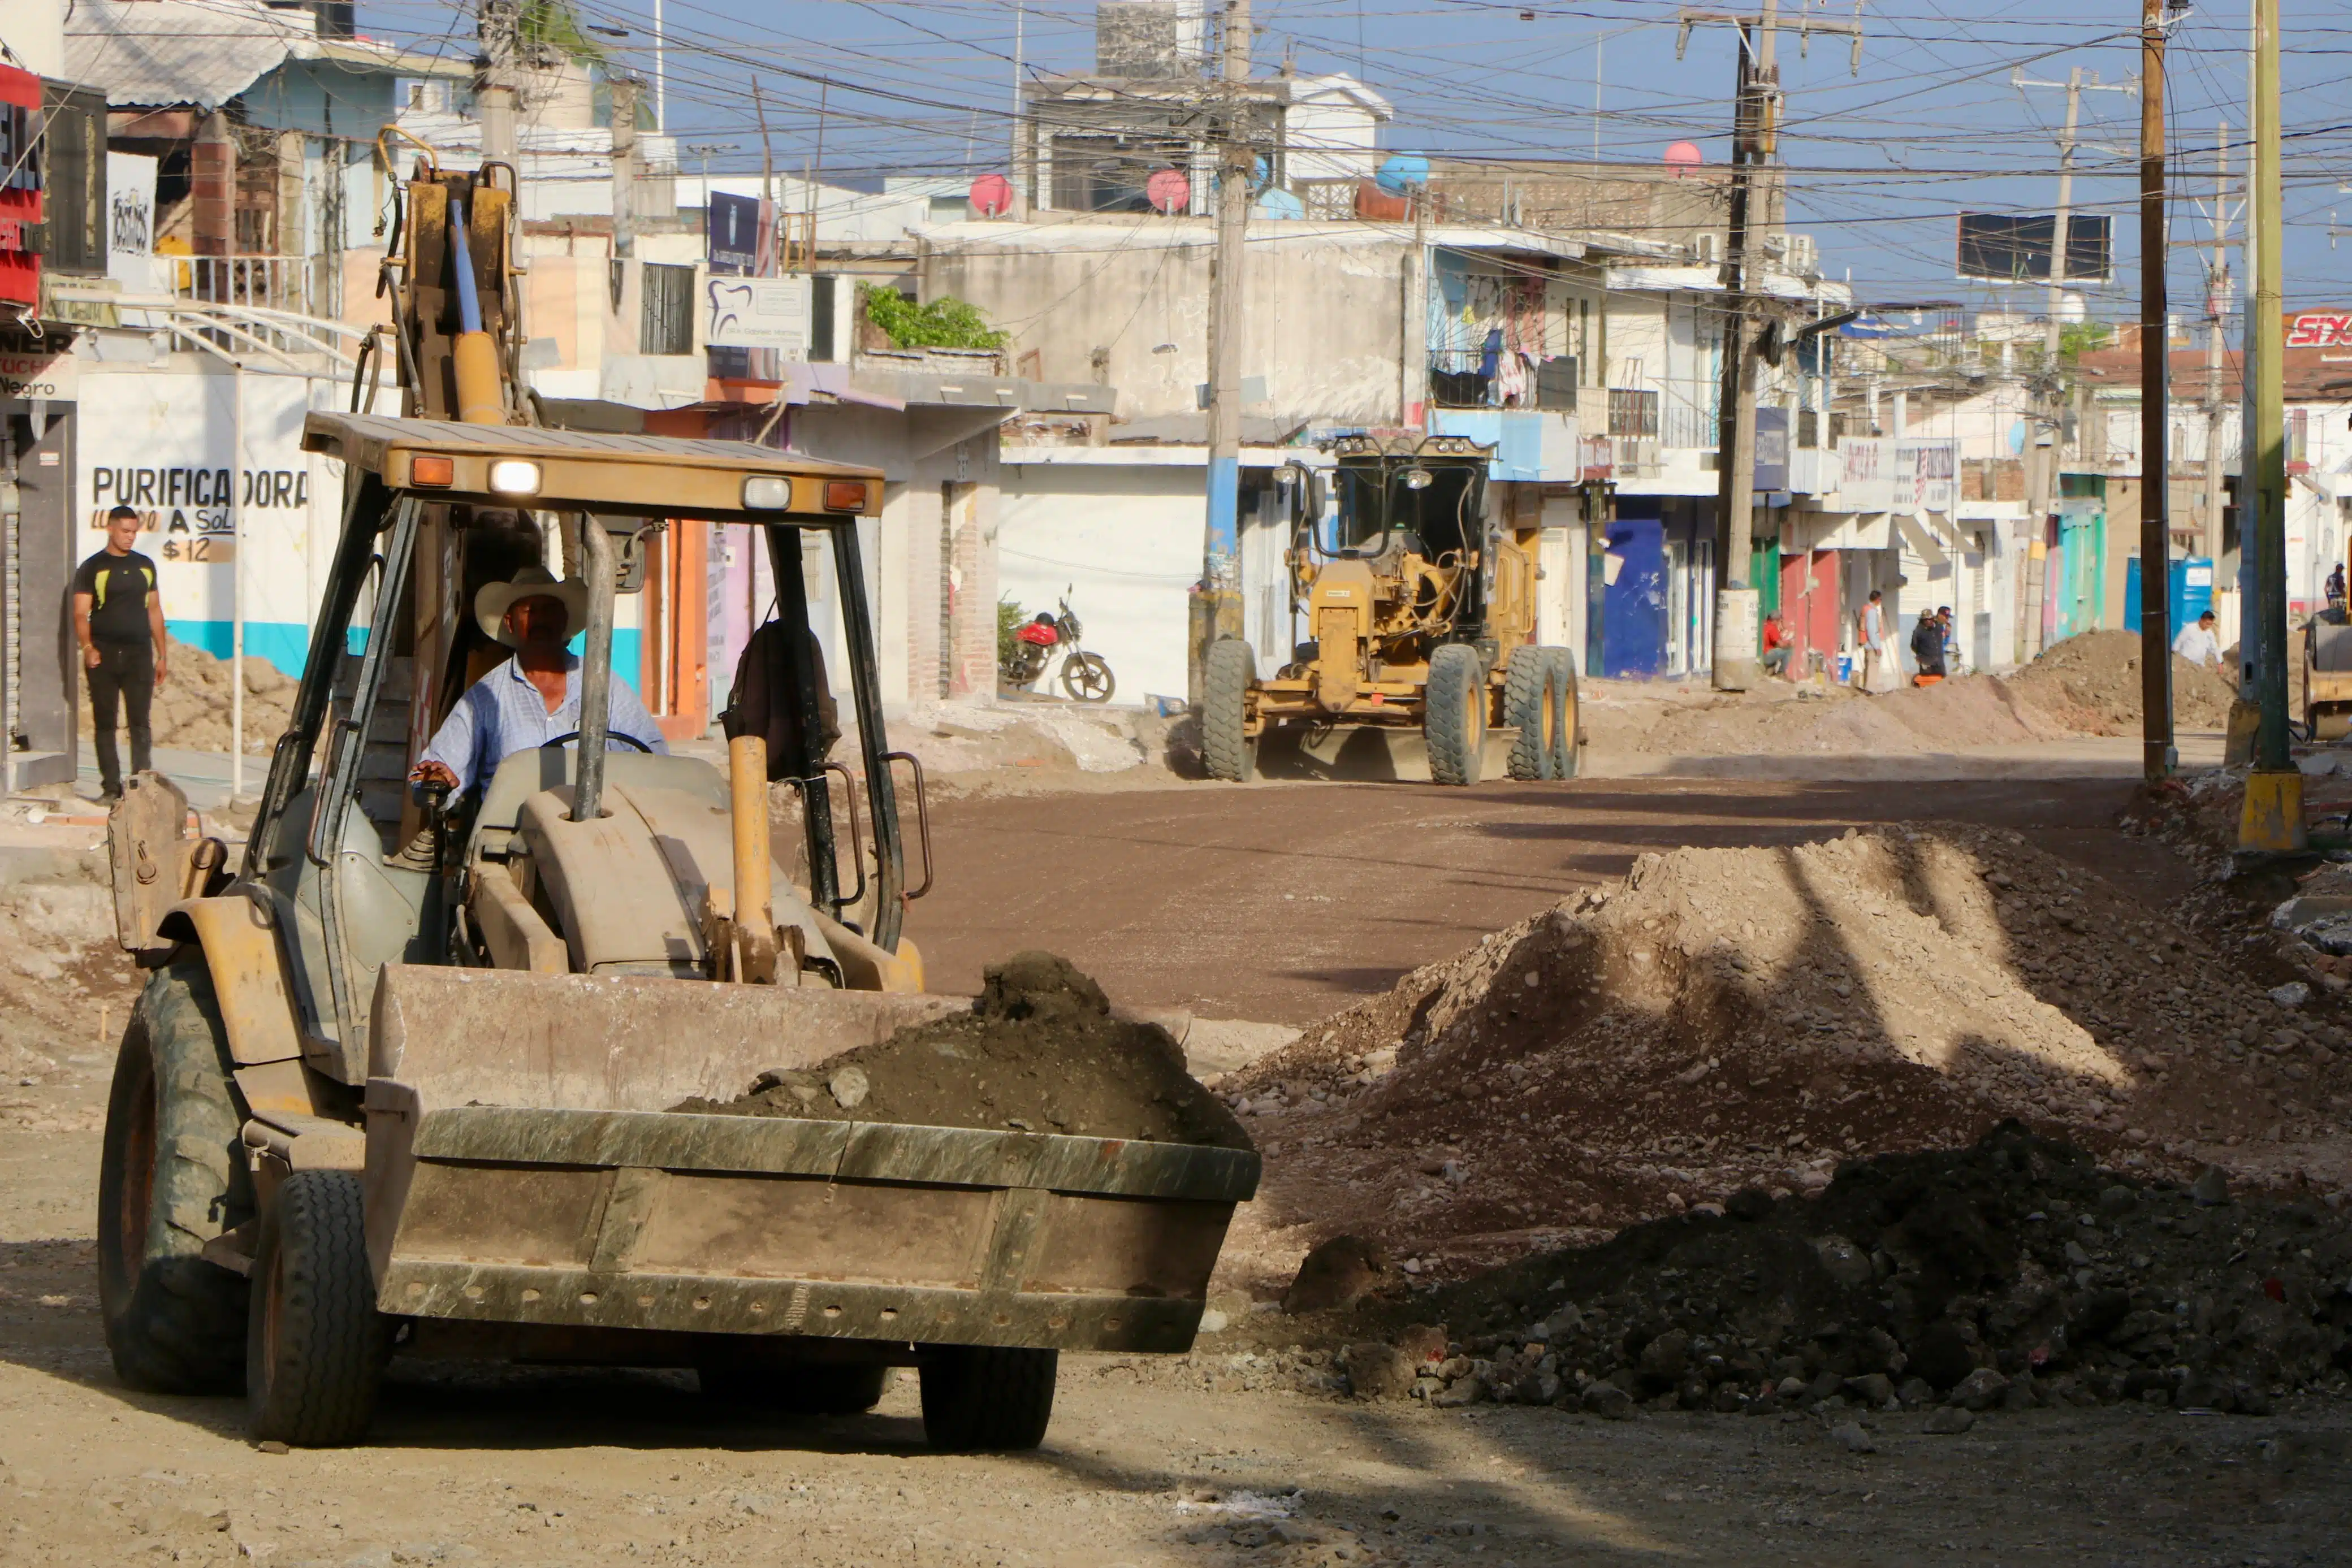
490, 605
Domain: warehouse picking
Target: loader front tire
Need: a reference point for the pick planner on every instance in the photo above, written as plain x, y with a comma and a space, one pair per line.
172, 1177
1454, 717
987, 1397
315, 1344
1567, 752
1530, 704
1225, 711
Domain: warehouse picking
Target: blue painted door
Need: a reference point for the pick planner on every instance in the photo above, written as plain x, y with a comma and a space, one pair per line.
1633, 625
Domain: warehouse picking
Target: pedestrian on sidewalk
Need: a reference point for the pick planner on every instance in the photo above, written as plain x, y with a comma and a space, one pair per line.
1928, 648
2198, 644
117, 619
1877, 650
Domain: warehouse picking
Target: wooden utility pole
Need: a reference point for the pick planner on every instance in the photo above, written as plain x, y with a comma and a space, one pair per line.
2273, 819
1755, 145
2155, 413
2041, 476
1218, 604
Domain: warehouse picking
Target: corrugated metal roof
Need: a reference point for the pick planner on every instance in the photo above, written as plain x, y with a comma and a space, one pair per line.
156, 53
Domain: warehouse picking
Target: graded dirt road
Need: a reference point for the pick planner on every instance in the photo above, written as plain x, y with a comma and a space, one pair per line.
1285, 902
1172, 897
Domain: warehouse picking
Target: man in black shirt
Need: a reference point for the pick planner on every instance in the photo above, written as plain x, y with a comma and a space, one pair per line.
1927, 646
118, 620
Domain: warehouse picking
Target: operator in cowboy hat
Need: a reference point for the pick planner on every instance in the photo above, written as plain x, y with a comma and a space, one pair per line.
531, 698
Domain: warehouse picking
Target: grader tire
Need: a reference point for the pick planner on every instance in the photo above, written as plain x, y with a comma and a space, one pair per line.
978, 1397
1528, 704
172, 1177
1566, 753
315, 1344
1454, 718
1225, 747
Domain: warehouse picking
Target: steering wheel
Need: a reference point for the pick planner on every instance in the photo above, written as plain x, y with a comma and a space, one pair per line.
609, 737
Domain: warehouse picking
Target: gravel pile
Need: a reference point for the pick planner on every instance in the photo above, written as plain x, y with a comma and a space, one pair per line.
1728, 1019
1040, 1052
2008, 1275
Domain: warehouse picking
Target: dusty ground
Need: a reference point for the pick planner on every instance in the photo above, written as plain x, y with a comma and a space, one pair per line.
563, 1469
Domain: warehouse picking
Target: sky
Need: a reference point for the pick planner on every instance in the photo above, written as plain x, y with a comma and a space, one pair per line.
1882, 155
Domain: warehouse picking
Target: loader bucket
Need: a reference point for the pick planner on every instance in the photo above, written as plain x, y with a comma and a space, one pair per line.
521, 1169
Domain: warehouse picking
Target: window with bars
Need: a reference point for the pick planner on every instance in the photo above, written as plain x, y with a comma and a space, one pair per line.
666, 315
1632, 413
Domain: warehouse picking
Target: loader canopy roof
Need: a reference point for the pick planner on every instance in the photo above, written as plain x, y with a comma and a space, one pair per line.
566, 470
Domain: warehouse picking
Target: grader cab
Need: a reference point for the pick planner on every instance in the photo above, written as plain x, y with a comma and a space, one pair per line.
1420, 612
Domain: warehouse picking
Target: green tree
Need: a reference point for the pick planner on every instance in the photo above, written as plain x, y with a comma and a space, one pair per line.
2076, 338
1009, 620
945, 322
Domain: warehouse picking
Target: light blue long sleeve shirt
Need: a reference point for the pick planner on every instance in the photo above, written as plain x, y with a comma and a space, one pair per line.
503, 712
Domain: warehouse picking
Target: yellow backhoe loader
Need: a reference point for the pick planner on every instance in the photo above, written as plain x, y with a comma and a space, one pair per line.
399, 1081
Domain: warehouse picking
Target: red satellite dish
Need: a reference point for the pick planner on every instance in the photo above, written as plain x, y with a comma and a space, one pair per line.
1683, 157
992, 194
1169, 191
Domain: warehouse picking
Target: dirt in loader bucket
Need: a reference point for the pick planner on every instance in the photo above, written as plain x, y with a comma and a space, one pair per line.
1039, 1052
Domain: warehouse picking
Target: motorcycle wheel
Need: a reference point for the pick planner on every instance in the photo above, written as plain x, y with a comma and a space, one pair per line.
1087, 677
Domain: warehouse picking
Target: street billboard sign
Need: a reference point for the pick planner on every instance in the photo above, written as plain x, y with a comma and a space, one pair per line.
2014, 247
758, 313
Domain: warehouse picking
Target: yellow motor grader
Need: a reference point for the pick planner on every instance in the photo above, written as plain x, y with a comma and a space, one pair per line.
1420, 615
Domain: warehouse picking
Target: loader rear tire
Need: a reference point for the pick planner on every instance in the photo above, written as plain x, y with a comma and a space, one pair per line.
1454, 717
987, 1397
1568, 753
172, 1177
1224, 696
315, 1344
1531, 705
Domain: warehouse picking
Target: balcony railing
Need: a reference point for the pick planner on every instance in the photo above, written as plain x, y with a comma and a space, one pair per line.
1687, 426
256, 282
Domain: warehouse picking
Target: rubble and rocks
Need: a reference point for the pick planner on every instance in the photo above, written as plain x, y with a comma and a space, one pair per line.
1725, 1020
1040, 1052
65, 990
2011, 1274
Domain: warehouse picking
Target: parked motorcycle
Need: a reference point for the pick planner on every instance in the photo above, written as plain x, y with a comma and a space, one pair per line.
1086, 677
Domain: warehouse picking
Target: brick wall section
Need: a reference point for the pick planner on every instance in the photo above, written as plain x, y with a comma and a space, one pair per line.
972, 588
212, 170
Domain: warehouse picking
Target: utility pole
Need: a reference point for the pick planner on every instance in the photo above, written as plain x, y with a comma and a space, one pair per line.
2155, 413
494, 91
2042, 477
2273, 819
625, 166
1755, 146
2217, 311
1218, 605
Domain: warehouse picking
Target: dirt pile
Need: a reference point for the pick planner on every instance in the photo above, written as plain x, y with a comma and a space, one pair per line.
1040, 1052
2091, 683
1777, 721
2011, 1274
1732, 1017
191, 709
65, 990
